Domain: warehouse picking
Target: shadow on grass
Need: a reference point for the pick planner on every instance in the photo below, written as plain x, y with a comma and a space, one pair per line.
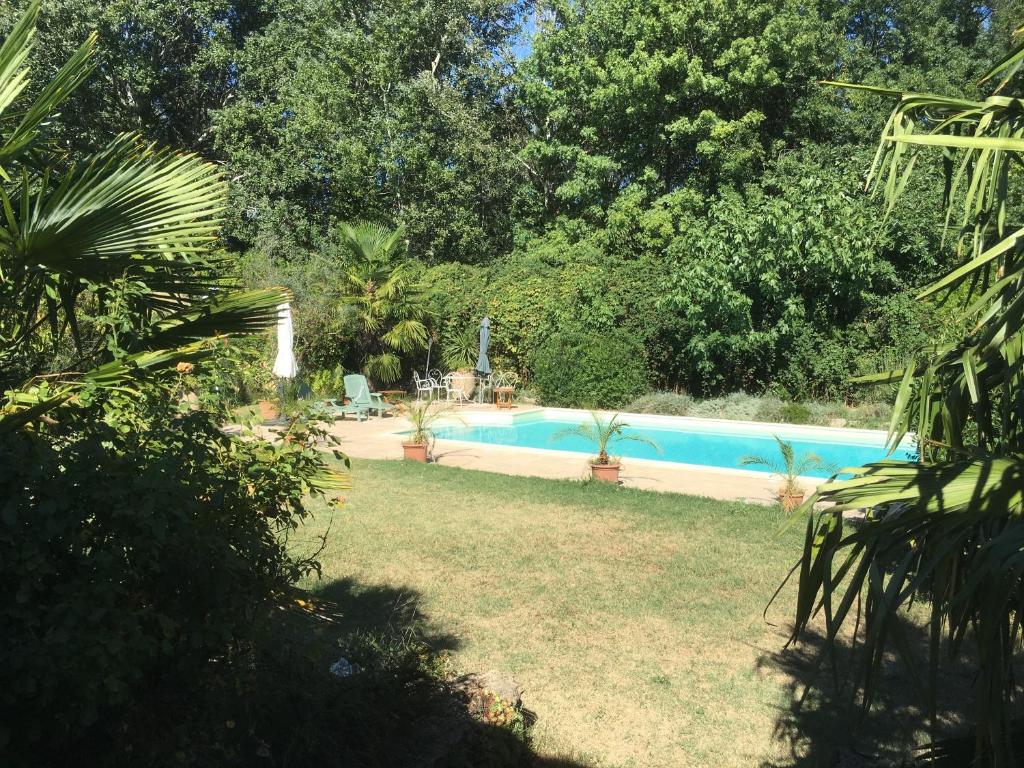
376, 609
275, 703
831, 729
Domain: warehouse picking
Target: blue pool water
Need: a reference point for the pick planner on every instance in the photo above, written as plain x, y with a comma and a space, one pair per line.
713, 449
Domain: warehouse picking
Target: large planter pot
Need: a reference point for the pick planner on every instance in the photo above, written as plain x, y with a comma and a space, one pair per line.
790, 499
605, 473
268, 410
415, 451
464, 382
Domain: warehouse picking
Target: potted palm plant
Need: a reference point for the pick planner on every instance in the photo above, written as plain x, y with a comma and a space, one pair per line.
422, 416
604, 434
459, 355
788, 468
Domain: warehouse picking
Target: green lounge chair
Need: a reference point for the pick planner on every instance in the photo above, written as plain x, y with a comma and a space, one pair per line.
357, 390
338, 408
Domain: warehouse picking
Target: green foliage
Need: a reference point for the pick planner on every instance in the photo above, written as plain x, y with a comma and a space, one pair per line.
136, 538
388, 302
795, 413
460, 350
344, 113
788, 466
766, 287
665, 403
118, 243
135, 542
949, 525
603, 434
743, 407
329, 383
589, 369
626, 157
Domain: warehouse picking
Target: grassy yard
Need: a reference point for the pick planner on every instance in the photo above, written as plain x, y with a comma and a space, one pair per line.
632, 619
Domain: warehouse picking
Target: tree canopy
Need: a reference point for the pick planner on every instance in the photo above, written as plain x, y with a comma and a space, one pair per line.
681, 155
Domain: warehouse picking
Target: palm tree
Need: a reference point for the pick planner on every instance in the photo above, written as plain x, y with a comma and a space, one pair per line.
128, 230
390, 306
788, 467
949, 526
422, 418
603, 434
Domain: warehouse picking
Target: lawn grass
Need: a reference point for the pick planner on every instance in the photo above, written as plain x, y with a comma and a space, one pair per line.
633, 619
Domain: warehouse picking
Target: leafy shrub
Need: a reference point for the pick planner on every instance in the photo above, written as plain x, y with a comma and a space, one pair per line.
136, 542
328, 383
737, 405
665, 403
795, 413
768, 408
587, 369
459, 350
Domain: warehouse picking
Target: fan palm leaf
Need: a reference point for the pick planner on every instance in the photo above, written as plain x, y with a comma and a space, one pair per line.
14, 78
132, 212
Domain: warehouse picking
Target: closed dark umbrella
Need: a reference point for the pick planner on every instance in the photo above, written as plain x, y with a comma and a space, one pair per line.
483, 365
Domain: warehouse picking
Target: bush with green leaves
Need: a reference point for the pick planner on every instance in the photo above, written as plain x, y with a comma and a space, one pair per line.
136, 542
664, 403
328, 384
589, 369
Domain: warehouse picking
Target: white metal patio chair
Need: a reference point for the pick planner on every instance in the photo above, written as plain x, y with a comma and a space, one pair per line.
423, 386
438, 383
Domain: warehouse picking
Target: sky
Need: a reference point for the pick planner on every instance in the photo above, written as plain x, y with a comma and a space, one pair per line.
522, 47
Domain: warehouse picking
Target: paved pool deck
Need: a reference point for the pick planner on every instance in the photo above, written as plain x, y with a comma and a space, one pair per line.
379, 438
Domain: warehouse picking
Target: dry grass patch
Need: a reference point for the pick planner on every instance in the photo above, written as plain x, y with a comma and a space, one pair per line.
633, 619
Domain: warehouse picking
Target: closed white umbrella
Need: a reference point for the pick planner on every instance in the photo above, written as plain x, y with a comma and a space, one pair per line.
284, 365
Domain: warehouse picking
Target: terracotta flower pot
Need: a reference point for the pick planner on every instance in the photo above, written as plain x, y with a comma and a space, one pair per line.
606, 473
415, 451
268, 410
790, 499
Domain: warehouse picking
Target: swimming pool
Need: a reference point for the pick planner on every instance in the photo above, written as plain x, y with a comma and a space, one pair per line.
706, 442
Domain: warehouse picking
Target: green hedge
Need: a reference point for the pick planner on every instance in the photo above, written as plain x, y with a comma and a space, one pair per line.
589, 369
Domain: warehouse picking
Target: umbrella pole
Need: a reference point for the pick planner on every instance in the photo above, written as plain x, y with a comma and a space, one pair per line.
280, 391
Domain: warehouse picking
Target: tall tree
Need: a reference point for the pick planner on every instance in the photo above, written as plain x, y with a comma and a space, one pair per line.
397, 111
162, 67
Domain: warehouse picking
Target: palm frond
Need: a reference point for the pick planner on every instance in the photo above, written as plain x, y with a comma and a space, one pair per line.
131, 211
586, 431
406, 335
234, 313
372, 242
385, 367
14, 78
